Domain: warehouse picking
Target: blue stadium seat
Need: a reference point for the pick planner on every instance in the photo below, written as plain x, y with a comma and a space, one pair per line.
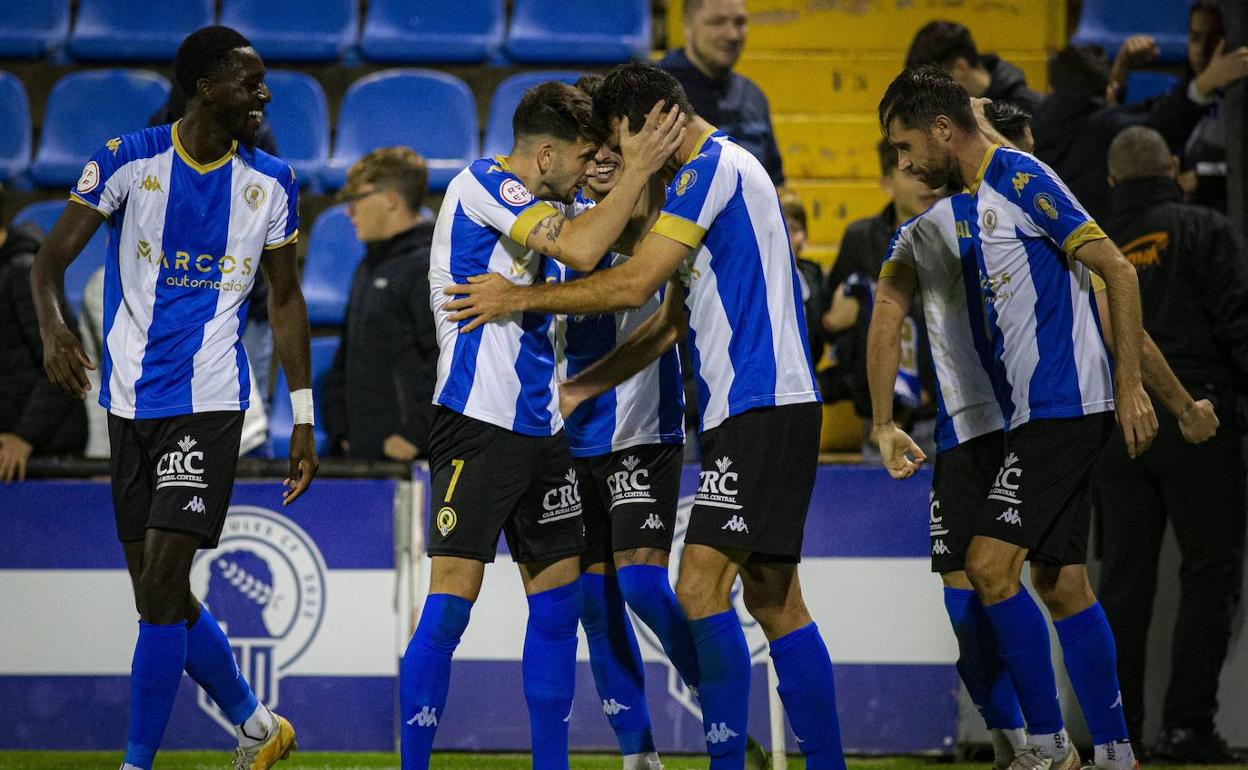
1108, 23
333, 253
295, 30
300, 121
498, 135
135, 31
32, 29
411, 31
430, 111
14, 128
44, 214
281, 420
549, 31
86, 109
1142, 86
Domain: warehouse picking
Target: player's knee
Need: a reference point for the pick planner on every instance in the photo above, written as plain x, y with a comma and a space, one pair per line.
991, 578
699, 596
631, 557
161, 598
1065, 591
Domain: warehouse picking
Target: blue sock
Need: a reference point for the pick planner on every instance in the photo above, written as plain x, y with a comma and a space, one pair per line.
980, 663
1023, 638
549, 667
808, 691
724, 671
650, 596
210, 662
1092, 663
616, 662
155, 672
425, 675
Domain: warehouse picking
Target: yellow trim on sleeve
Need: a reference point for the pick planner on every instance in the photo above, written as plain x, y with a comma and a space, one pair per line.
680, 230
1098, 283
289, 239
528, 219
73, 198
202, 168
983, 167
1088, 231
892, 267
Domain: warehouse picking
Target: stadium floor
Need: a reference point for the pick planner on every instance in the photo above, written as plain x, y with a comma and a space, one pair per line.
215, 760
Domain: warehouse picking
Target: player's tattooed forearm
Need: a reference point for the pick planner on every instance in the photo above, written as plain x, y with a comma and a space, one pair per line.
551, 228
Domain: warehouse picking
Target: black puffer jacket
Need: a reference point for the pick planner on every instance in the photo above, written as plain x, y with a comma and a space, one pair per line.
1009, 84
30, 406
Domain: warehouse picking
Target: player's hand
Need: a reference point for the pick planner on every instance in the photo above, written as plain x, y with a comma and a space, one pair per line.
395, 447
1136, 50
570, 397
1135, 414
1225, 67
901, 456
1198, 422
64, 361
14, 452
484, 298
646, 151
303, 463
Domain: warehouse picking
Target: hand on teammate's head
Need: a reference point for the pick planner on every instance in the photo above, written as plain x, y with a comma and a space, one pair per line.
649, 148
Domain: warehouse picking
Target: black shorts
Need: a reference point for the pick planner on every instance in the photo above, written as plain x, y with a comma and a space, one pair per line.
487, 479
174, 473
758, 472
630, 499
1041, 498
963, 475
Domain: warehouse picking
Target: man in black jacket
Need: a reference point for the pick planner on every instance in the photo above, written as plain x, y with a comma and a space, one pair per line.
378, 397
35, 417
1193, 273
949, 45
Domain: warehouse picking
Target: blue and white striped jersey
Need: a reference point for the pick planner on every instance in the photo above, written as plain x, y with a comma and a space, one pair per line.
747, 328
502, 372
1037, 300
947, 274
648, 408
185, 242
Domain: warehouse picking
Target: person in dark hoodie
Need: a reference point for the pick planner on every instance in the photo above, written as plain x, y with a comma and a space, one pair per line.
36, 418
378, 398
949, 46
1075, 124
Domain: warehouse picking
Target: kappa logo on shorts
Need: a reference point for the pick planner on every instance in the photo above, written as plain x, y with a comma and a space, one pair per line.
736, 524
195, 505
631, 485
562, 502
718, 488
1009, 477
182, 468
652, 522
940, 549
1011, 516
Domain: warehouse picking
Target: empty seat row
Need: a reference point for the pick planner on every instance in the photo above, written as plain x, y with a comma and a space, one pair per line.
394, 31
431, 111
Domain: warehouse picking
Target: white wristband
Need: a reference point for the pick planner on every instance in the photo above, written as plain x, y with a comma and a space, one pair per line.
301, 406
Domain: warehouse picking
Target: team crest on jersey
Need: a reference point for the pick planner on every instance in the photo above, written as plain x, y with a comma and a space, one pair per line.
447, 520
114, 144
1020, 181
1045, 204
253, 196
90, 177
265, 583
688, 178
514, 192
990, 220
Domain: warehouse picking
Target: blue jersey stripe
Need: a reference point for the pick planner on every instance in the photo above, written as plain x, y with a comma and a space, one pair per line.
112, 301
179, 318
991, 328
535, 366
1056, 379
240, 357
468, 244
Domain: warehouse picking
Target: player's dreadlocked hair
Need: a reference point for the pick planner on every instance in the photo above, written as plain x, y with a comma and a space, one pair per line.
203, 54
556, 109
631, 90
919, 95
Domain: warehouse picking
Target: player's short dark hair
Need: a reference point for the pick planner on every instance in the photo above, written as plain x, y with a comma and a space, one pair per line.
1080, 68
919, 95
589, 83
940, 43
1009, 119
888, 157
203, 54
631, 90
556, 109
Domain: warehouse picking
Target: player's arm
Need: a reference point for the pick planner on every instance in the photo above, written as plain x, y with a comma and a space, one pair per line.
1197, 419
1132, 405
63, 357
626, 286
648, 341
893, 295
288, 315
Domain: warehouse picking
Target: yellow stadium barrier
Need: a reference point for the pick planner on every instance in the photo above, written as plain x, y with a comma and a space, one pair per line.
833, 204
821, 146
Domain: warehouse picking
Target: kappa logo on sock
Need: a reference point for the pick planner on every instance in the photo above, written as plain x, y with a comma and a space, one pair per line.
1117, 704
195, 505
613, 707
736, 524
1011, 516
426, 717
653, 522
720, 733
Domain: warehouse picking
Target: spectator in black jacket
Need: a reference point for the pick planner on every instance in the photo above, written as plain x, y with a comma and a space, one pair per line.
1193, 273
35, 417
949, 46
378, 396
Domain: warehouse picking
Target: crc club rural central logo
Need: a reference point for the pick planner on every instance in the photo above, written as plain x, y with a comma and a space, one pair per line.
265, 585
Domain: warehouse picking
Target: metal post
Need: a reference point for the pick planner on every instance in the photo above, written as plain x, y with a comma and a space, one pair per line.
775, 710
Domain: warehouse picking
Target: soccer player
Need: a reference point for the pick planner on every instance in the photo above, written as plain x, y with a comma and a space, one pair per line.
194, 211
497, 451
722, 229
1026, 252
